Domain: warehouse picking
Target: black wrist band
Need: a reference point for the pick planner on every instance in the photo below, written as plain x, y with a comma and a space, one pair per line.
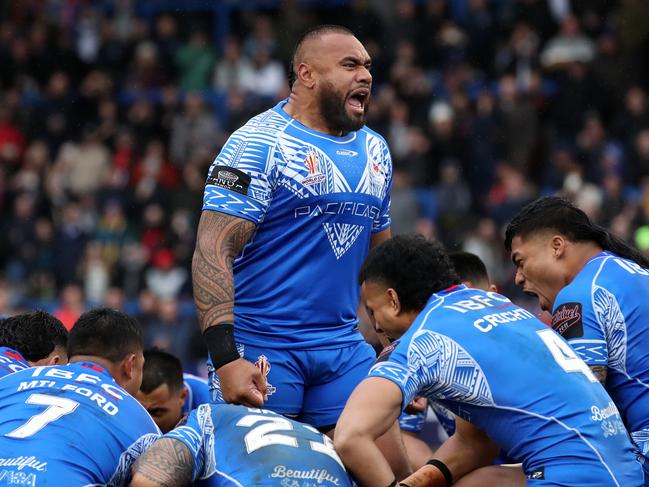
444, 469
220, 343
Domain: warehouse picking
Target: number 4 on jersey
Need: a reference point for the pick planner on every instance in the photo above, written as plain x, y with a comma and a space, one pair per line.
564, 355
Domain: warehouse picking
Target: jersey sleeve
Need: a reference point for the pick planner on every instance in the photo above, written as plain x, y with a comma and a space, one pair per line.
578, 317
242, 177
382, 220
400, 367
198, 391
198, 436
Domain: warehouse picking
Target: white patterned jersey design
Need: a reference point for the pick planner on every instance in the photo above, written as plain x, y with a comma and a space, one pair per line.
316, 200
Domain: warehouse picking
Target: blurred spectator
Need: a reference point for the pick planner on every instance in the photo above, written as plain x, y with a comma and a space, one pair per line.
72, 305
569, 46
12, 141
194, 132
114, 298
169, 331
165, 279
147, 70
70, 243
83, 167
267, 78
194, 61
233, 69
454, 203
94, 274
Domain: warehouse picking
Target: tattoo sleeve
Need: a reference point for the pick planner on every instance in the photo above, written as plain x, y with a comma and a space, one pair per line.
219, 240
600, 372
167, 463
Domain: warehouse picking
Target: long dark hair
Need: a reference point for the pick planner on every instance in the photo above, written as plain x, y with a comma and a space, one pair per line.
560, 215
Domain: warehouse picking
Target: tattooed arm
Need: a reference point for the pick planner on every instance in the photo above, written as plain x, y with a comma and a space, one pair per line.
168, 463
220, 239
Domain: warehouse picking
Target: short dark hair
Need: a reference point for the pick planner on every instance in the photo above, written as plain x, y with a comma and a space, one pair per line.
161, 367
560, 215
307, 35
413, 266
105, 333
469, 267
34, 335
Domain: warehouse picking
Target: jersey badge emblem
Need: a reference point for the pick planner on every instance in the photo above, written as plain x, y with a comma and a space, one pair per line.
312, 162
263, 364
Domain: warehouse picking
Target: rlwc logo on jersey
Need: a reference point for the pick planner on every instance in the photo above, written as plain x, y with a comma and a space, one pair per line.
312, 162
263, 364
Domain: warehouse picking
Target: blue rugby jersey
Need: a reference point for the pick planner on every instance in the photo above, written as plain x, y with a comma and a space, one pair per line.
495, 365
234, 445
316, 200
604, 315
69, 425
198, 392
11, 361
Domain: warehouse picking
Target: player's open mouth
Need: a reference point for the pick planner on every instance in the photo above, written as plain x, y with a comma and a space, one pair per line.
357, 100
532, 294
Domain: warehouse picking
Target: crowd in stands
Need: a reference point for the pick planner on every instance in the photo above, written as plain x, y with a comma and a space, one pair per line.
112, 111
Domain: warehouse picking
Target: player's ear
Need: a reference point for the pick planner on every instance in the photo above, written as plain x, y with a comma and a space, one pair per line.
558, 244
395, 303
493, 288
54, 360
305, 75
128, 366
183, 394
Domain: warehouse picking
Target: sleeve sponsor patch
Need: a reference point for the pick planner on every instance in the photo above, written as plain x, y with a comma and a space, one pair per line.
229, 178
567, 320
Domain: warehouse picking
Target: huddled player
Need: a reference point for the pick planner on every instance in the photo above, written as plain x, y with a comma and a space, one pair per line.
513, 383
225, 444
166, 393
77, 424
31, 339
597, 288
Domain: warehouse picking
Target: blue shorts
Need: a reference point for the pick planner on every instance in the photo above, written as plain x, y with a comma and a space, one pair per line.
311, 386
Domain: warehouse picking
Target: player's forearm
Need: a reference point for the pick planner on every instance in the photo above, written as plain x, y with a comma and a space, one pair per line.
220, 239
462, 457
213, 285
364, 460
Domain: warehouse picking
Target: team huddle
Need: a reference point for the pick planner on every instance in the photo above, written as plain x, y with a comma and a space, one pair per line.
295, 236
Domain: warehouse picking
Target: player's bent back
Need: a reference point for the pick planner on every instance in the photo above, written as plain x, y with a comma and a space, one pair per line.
234, 445
67, 425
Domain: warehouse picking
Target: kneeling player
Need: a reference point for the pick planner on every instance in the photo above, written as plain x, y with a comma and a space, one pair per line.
77, 424
512, 382
31, 339
224, 444
166, 393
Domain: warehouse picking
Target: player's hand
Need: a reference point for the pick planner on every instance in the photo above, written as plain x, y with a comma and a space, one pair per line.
418, 405
242, 383
426, 476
